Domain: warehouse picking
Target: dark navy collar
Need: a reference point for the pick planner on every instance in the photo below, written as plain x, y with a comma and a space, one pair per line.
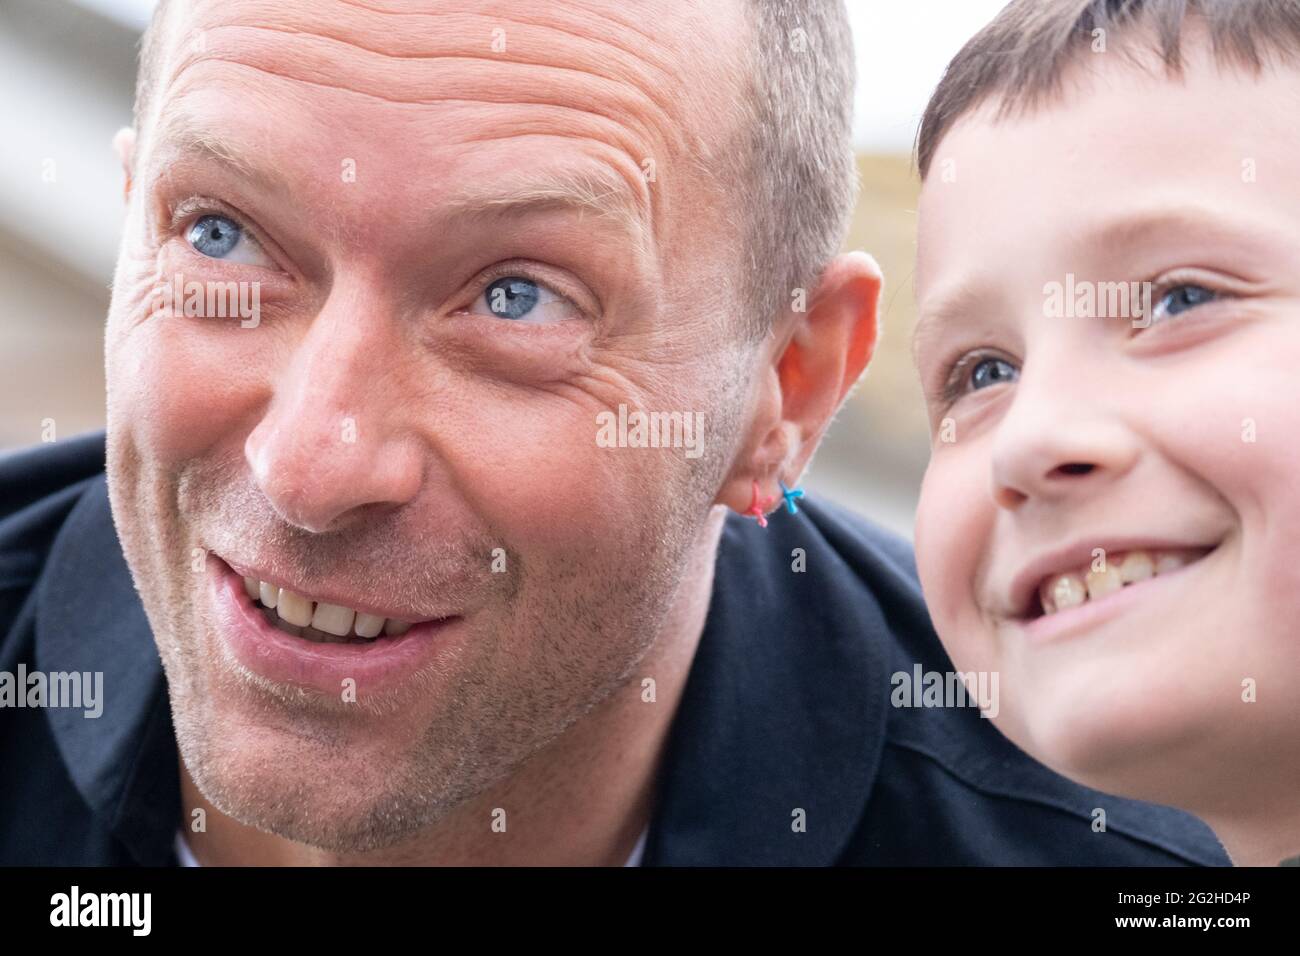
781, 719
89, 618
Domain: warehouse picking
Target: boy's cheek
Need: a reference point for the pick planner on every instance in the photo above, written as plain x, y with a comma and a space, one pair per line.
953, 522
1245, 446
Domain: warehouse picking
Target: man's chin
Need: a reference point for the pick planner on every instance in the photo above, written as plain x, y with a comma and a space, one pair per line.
322, 793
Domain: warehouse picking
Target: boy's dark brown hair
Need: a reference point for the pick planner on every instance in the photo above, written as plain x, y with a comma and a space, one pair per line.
1020, 58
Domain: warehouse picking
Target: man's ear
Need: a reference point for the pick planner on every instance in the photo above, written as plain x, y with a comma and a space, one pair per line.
124, 147
804, 379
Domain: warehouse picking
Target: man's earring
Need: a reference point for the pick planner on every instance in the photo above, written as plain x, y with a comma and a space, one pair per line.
790, 494
758, 505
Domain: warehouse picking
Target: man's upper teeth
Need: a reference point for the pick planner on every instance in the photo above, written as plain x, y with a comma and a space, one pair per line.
1060, 592
331, 620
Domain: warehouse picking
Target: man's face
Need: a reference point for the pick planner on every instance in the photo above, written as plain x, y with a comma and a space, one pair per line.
408, 424
1066, 440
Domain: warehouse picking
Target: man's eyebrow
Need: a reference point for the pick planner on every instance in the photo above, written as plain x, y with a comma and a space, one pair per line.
601, 192
180, 134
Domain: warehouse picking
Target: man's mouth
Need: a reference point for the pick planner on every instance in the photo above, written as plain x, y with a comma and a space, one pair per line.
336, 647
316, 620
1040, 594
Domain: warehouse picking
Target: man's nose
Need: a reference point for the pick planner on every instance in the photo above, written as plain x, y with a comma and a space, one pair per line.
332, 445
1062, 436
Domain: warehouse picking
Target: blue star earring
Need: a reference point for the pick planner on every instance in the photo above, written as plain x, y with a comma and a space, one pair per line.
790, 494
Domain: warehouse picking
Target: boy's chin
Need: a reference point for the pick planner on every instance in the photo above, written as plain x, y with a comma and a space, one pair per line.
1134, 745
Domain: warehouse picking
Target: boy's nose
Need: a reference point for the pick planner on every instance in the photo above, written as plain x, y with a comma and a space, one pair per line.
1056, 441
331, 444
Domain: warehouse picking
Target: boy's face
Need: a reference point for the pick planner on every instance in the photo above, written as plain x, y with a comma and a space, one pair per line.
1071, 438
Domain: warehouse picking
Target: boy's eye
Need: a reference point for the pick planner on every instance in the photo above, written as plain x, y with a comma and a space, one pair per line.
991, 371
220, 237
1180, 299
975, 371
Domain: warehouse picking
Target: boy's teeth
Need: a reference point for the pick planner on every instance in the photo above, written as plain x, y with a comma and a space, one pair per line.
1061, 592
1103, 582
1171, 561
1065, 591
318, 621
1136, 566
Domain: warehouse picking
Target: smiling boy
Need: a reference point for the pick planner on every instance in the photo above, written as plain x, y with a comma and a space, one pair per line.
1109, 514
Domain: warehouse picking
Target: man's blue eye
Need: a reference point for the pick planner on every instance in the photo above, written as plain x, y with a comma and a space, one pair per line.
521, 300
215, 236
991, 371
1183, 298
512, 297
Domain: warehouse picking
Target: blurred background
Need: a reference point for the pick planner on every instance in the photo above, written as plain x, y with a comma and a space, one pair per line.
67, 74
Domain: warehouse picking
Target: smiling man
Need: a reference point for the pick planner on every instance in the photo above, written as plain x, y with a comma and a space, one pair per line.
365, 583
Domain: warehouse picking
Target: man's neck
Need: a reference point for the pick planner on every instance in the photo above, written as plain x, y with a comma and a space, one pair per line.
583, 800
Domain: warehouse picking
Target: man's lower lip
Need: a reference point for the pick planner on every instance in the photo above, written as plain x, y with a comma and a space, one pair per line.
282, 658
1092, 614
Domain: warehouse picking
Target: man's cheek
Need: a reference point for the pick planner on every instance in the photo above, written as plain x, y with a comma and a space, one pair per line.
169, 386
552, 488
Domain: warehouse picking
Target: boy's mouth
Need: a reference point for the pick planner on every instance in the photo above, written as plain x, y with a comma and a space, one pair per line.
1071, 583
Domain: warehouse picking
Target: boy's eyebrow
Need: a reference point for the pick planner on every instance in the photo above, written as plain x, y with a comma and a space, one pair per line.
1142, 225
596, 188
951, 303
1131, 228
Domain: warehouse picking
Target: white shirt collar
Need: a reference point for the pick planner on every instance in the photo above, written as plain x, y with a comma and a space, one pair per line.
186, 857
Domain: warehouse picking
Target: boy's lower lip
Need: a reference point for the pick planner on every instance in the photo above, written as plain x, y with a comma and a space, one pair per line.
1094, 613
282, 658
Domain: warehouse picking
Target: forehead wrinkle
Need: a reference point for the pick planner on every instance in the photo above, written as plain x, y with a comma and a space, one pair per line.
417, 48
549, 118
666, 120
627, 87
653, 42
673, 83
626, 138
602, 191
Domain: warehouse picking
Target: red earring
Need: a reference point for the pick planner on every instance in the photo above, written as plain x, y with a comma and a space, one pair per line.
758, 505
